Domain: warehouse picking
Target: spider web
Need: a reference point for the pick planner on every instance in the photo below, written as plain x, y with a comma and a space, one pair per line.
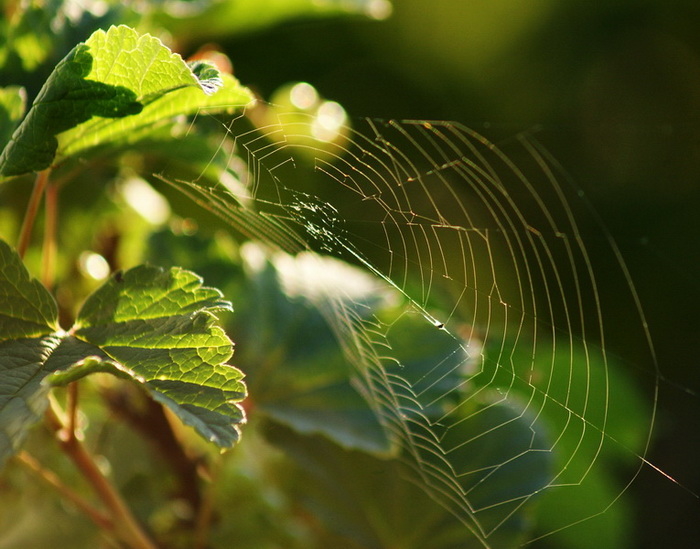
500, 253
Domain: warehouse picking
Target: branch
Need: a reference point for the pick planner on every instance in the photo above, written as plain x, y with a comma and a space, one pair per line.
25, 234
124, 525
98, 517
48, 270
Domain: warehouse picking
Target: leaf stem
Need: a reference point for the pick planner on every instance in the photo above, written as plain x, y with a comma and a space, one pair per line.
71, 423
124, 524
25, 234
51, 478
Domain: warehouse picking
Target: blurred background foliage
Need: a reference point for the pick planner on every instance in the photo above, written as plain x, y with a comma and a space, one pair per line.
611, 89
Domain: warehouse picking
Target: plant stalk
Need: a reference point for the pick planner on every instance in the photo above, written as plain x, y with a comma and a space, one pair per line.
205, 515
124, 524
48, 270
25, 234
99, 518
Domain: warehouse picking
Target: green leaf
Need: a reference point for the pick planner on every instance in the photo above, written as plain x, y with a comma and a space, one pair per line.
28, 318
22, 395
112, 89
606, 431
294, 362
383, 503
498, 454
160, 325
67, 99
596, 438
611, 528
27, 309
128, 131
155, 327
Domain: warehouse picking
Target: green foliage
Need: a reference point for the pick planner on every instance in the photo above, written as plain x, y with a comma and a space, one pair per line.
305, 383
160, 325
110, 89
28, 324
370, 488
310, 398
152, 326
27, 36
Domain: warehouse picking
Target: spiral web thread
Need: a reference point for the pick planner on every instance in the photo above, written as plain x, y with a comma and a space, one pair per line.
504, 259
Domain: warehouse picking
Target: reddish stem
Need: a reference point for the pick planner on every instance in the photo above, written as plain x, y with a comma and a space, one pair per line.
25, 234
124, 525
48, 271
99, 518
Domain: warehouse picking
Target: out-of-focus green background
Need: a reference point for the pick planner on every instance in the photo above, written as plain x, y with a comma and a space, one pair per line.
612, 89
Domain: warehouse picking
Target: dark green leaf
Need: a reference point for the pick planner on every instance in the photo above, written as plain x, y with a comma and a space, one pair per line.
28, 320
208, 75
611, 527
26, 307
22, 395
498, 454
608, 432
373, 503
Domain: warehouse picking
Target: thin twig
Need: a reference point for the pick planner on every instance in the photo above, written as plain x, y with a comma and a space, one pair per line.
25, 234
124, 524
98, 517
206, 509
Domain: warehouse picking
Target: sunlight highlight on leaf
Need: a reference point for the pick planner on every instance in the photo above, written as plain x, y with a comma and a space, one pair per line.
112, 89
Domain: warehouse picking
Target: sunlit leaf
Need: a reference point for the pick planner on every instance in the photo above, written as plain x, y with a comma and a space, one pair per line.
286, 325
27, 309
154, 327
160, 324
110, 89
